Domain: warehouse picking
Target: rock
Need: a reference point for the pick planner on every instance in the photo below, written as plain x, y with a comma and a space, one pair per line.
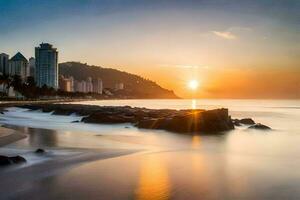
183, 121
5, 160
247, 121
259, 126
107, 118
17, 159
76, 121
198, 121
40, 151
236, 122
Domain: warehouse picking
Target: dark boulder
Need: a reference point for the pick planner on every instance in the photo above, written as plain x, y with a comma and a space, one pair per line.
247, 121
107, 118
17, 159
236, 122
61, 111
260, 127
76, 121
5, 160
193, 121
40, 151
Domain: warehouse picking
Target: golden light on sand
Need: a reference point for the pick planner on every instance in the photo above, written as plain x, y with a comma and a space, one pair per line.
193, 84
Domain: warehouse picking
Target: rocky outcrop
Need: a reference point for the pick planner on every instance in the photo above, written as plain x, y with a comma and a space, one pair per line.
260, 127
181, 121
246, 121
40, 151
191, 122
5, 160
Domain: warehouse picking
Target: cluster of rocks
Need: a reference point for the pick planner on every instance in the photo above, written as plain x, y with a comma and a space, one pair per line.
251, 123
11, 160
6, 160
181, 121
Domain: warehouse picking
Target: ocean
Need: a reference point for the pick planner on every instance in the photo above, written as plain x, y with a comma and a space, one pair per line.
239, 164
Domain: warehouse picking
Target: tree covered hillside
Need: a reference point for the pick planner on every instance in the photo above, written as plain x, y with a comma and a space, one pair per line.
134, 86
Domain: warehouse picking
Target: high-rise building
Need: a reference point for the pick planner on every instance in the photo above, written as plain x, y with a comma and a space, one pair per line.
46, 65
18, 65
4, 64
97, 86
31, 70
89, 85
81, 86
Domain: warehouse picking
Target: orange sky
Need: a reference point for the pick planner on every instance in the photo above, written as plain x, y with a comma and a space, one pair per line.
235, 49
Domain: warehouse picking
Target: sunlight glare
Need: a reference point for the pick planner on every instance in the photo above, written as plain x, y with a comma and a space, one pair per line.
193, 84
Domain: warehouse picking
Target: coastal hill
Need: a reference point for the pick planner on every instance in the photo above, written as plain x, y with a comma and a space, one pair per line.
134, 85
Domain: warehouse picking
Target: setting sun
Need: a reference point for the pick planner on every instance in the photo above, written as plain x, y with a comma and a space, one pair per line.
193, 84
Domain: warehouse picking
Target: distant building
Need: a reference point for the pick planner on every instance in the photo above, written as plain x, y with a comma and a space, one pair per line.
97, 86
119, 86
18, 65
31, 71
66, 84
81, 86
89, 85
46, 65
72, 83
4, 64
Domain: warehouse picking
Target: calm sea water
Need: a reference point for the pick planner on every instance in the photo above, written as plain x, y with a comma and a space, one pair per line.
240, 164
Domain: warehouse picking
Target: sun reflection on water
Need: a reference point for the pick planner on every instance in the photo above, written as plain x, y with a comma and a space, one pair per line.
194, 103
196, 141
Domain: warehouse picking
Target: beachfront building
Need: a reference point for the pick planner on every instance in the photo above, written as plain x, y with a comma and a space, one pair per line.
89, 85
4, 64
66, 84
81, 86
31, 69
46, 66
18, 65
97, 86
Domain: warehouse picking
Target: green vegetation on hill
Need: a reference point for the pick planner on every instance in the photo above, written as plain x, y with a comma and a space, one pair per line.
134, 86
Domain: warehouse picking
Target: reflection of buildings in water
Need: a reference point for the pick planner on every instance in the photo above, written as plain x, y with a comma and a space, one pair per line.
42, 137
154, 181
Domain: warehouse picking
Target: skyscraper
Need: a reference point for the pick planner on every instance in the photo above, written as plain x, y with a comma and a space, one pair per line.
97, 86
46, 65
4, 64
89, 85
18, 65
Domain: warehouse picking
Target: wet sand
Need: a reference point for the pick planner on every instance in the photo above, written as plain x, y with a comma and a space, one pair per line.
8, 136
17, 179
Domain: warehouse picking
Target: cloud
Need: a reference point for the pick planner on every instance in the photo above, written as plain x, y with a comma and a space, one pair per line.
225, 35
